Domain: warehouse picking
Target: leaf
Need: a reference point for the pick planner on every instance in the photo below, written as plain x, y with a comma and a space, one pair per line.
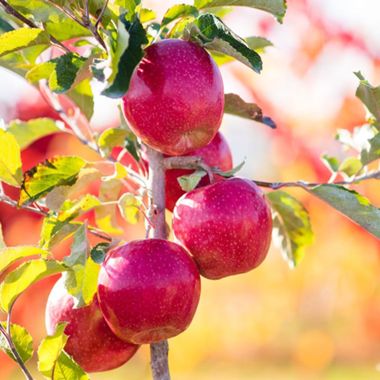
50, 349
235, 105
275, 7
67, 369
291, 226
191, 181
99, 252
147, 15
11, 254
24, 276
61, 72
177, 11
5, 26
332, 163
214, 35
131, 38
79, 248
83, 98
22, 340
369, 95
22, 38
72, 209
351, 204
10, 160
27, 132
129, 206
57, 171
351, 166
372, 152
232, 172
110, 138
130, 6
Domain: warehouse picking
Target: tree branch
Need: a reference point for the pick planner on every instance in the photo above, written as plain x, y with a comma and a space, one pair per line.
158, 351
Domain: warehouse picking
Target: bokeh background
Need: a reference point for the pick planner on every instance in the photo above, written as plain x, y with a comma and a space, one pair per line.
319, 321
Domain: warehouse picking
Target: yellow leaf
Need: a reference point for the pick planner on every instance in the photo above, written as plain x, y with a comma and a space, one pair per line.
10, 160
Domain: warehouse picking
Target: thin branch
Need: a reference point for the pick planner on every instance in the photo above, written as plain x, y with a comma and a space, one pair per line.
86, 16
12, 11
9, 201
99, 19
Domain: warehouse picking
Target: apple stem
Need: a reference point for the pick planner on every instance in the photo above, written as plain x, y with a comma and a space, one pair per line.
158, 351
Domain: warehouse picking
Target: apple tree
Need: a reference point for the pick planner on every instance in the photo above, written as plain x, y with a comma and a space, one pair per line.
167, 153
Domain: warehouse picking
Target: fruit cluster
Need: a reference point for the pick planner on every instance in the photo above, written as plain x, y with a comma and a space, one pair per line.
148, 290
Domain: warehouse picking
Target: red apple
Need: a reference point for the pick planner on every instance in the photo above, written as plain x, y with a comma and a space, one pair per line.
91, 342
216, 154
226, 226
175, 98
148, 290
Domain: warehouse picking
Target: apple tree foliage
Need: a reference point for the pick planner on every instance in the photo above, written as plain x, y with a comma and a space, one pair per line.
114, 35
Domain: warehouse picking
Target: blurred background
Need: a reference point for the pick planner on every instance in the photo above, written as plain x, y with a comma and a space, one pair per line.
318, 321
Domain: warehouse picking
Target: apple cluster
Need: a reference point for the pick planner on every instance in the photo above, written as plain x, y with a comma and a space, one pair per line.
148, 290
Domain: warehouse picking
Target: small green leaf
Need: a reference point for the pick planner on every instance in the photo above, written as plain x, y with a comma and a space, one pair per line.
232, 172
22, 38
177, 11
351, 166
99, 252
50, 349
24, 276
72, 209
275, 7
110, 138
235, 105
351, 204
369, 95
79, 248
372, 152
11, 254
57, 171
129, 206
27, 132
22, 340
291, 226
332, 163
83, 98
10, 160
5, 26
130, 6
191, 181
214, 35
147, 15
67, 369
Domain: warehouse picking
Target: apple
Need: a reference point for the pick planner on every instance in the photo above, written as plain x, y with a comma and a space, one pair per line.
216, 154
91, 342
175, 99
148, 290
226, 226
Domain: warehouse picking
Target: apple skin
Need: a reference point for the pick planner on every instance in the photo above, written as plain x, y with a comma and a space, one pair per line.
175, 100
226, 226
148, 290
216, 154
91, 342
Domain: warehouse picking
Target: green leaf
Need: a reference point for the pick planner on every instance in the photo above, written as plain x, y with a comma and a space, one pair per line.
214, 35
232, 172
50, 349
22, 340
351, 166
5, 26
131, 38
332, 163
369, 95
24, 276
177, 11
372, 152
64, 28
191, 181
61, 72
11, 254
130, 6
83, 98
79, 248
275, 7
110, 138
57, 171
291, 226
147, 15
351, 204
129, 206
27, 132
10, 159
22, 38
72, 209
235, 105
67, 369
99, 252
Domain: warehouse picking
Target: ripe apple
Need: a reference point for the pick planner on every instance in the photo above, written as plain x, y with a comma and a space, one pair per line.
91, 342
216, 154
175, 99
148, 290
226, 226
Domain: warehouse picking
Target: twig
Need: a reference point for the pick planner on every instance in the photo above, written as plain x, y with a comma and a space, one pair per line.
12, 11
99, 19
158, 351
9, 201
188, 162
